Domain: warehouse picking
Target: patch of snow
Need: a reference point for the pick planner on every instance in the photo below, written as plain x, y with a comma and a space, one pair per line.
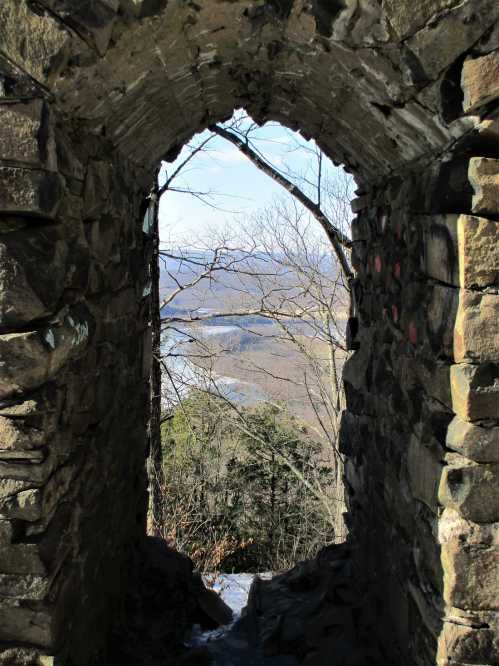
231, 645
234, 590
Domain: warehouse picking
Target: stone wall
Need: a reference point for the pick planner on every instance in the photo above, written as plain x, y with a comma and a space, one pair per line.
421, 434
92, 95
74, 390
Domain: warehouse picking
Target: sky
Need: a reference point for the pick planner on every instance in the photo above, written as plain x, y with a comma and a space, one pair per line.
237, 189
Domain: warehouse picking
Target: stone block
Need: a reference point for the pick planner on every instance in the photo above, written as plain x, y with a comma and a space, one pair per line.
26, 360
355, 475
26, 134
424, 471
21, 624
27, 424
23, 656
472, 489
475, 391
31, 358
70, 210
29, 191
407, 21
33, 457
54, 491
26, 587
488, 133
478, 244
440, 248
15, 435
357, 365
469, 560
476, 331
68, 162
102, 235
358, 204
36, 473
10, 487
461, 250
46, 660
26, 505
28, 291
92, 18
480, 81
464, 644
14, 82
97, 190
18, 558
472, 441
21, 558
440, 316
359, 256
361, 230
435, 380
483, 174
35, 41
440, 42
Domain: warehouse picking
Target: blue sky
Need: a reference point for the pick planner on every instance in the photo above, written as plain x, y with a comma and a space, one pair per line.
238, 189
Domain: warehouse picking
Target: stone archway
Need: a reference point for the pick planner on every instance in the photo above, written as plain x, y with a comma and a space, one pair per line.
92, 95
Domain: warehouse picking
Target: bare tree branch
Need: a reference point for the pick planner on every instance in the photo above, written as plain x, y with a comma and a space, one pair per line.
336, 237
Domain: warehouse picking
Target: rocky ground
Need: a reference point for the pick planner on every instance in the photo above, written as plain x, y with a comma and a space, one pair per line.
312, 615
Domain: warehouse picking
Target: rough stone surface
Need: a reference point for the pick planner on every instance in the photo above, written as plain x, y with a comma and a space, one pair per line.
484, 177
40, 57
458, 29
478, 252
471, 489
461, 250
36, 356
166, 599
463, 642
480, 81
95, 20
424, 470
32, 624
311, 612
29, 191
476, 332
26, 293
475, 442
440, 248
26, 134
469, 555
475, 391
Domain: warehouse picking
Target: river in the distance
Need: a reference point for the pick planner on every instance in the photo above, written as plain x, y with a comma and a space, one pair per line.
174, 348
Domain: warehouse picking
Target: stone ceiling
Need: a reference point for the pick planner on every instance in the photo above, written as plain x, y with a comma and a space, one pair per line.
358, 75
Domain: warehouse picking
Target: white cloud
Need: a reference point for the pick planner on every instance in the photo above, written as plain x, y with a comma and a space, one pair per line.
230, 156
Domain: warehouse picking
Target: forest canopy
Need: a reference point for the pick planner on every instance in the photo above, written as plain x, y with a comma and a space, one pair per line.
242, 489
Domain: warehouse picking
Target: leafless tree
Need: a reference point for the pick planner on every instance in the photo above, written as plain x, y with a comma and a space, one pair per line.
280, 270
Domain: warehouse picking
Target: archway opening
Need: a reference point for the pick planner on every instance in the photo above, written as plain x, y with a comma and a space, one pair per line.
254, 308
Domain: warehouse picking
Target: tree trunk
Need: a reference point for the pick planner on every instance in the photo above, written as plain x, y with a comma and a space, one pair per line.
156, 475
